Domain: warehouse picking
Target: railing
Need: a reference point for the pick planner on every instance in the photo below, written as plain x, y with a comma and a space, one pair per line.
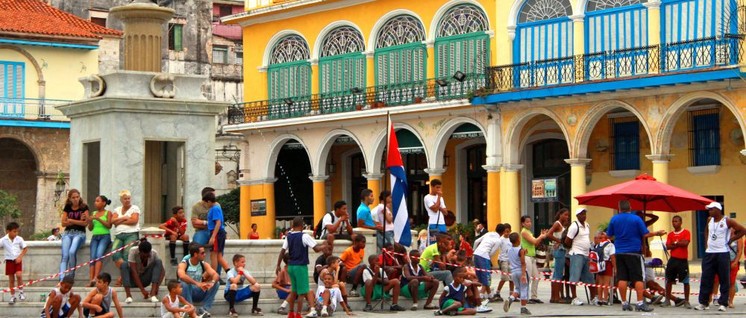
31, 108
410, 93
665, 58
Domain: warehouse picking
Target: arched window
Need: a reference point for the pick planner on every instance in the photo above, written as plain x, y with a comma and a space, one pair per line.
461, 45
400, 54
613, 25
289, 76
341, 68
544, 34
704, 26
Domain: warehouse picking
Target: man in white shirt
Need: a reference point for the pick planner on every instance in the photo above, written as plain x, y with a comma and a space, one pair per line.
337, 224
436, 209
579, 233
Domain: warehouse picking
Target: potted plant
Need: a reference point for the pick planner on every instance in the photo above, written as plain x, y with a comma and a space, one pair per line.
418, 100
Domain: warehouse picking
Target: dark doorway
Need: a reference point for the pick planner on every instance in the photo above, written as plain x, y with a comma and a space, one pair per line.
549, 162
357, 184
415, 164
293, 188
18, 167
476, 178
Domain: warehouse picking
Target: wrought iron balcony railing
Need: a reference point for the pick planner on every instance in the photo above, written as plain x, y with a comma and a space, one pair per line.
31, 108
657, 59
357, 99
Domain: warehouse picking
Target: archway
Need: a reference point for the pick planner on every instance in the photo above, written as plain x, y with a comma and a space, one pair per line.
18, 167
342, 159
293, 188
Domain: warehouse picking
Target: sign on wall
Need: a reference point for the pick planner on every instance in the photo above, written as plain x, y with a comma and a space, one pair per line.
544, 190
259, 207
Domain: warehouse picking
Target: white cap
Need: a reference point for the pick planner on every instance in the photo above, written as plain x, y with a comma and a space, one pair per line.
715, 205
580, 210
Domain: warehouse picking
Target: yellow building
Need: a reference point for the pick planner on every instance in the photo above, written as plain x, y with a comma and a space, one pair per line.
517, 105
43, 51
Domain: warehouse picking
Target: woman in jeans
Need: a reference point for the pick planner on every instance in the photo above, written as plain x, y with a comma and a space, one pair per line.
126, 222
529, 243
561, 221
74, 219
99, 224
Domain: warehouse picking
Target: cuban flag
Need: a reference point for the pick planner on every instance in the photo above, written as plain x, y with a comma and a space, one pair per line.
402, 233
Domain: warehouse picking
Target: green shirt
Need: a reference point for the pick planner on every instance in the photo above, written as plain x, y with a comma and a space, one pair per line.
530, 248
98, 228
426, 259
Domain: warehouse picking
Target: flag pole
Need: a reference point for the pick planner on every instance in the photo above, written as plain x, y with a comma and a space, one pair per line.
383, 254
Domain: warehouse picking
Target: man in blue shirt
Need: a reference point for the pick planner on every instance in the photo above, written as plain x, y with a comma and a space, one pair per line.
216, 227
364, 217
629, 230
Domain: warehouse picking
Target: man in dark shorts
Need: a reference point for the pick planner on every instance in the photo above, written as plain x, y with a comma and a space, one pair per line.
629, 231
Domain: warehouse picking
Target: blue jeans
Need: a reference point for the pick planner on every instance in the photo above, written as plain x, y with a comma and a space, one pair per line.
99, 245
71, 242
194, 294
579, 270
715, 263
484, 276
559, 263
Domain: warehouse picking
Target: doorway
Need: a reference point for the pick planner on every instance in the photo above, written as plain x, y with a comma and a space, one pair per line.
164, 179
548, 161
358, 183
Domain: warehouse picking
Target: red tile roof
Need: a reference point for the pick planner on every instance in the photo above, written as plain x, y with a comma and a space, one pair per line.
34, 17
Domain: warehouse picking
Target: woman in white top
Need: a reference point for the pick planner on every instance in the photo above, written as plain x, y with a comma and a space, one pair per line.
126, 221
384, 205
561, 221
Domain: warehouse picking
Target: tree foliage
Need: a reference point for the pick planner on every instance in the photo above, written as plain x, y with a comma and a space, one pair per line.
230, 203
9, 205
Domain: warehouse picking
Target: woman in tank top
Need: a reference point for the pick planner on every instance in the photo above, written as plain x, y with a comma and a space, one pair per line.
561, 220
100, 225
74, 219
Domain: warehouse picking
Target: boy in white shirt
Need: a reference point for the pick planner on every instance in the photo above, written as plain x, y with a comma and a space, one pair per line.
15, 248
484, 248
329, 296
502, 260
236, 277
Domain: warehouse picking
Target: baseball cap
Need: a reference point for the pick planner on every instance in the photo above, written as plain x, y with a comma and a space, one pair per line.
580, 210
715, 205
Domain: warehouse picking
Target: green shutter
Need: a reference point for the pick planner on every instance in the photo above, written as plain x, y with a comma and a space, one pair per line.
178, 37
467, 53
289, 82
338, 75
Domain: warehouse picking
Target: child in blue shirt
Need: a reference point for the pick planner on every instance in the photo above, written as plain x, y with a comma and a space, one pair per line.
517, 261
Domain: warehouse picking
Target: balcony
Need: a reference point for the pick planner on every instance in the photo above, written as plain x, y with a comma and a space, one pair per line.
31, 109
355, 99
567, 75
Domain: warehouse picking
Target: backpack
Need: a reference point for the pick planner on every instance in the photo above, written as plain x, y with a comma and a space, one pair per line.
319, 230
564, 236
596, 258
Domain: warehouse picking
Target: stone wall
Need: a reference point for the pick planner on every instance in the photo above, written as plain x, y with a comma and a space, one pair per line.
30, 160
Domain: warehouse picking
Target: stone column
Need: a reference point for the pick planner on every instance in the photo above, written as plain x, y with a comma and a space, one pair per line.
578, 44
435, 173
244, 215
660, 173
654, 32
319, 197
493, 197
143, 34
430, 44
510, 195
577, 181
374, 184
370, 69
315, 81
267, 228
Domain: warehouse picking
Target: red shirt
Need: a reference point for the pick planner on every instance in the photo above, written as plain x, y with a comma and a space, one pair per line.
176, 226
680, 252
466, 247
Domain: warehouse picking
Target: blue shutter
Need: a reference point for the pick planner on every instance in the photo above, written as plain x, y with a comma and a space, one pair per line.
12, 89
626, 145
706, 146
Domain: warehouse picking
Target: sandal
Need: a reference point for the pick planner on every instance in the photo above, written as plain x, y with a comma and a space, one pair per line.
257, 312
430, 306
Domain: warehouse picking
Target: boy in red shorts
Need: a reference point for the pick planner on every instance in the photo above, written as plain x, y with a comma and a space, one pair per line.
15, 248
175, 229
677, 269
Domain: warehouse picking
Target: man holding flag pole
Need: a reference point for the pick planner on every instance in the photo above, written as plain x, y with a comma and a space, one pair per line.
402, 233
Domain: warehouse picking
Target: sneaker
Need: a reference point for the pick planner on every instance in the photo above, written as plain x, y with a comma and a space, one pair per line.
506, 305
679, 302
497, 298
205, 313
721, 308
312, 313
626, 307
643, 307
656, 299
577, 302
154, 299
354, 293
201, 316
483, 309
438, 313
368, 308
232, 312
525, 311
128, 300
595, 301
282, 311
396, 307
21, 295
413, 308
536, 301
701, 307
687, 305
324, 312
12, 300
666, 303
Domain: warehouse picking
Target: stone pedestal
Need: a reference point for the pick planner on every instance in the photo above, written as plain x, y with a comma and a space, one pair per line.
143, 34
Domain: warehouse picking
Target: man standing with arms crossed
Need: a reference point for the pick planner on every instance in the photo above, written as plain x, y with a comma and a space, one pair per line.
629, 231
436, 210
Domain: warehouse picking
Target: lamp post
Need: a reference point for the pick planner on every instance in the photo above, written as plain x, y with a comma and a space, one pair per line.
59, 186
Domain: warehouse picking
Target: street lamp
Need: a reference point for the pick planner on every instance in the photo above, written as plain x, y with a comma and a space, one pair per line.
59, 186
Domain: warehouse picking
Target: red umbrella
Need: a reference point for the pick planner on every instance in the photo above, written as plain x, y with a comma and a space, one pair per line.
645, 193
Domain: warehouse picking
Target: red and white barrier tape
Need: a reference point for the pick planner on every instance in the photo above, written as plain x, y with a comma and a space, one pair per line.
540, 278
31, 282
